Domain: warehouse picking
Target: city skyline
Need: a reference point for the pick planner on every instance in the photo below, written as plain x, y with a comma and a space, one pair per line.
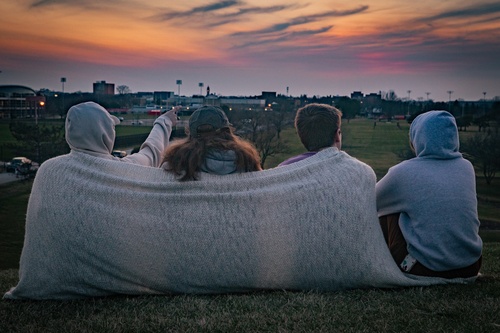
242, 48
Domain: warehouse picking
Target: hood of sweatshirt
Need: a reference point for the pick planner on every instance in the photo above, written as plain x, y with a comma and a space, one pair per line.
90, 129
220, 162
434, 134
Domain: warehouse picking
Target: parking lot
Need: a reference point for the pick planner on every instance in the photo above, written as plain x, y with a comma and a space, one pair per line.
7, 177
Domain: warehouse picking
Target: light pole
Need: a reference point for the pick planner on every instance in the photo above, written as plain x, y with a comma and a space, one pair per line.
178, 82
409, 92
449, 99
41, 103
484, 103
201, 88
63, 80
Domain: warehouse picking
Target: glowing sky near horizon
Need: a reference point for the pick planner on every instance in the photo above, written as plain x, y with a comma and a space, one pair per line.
245, 47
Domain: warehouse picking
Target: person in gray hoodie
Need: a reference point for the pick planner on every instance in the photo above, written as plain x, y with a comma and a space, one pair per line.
427, 205
211, 147
90, 129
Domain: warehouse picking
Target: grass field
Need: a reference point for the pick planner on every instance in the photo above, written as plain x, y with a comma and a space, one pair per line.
450, 308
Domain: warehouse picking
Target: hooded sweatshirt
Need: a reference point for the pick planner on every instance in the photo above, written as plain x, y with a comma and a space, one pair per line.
435, 194
220, 162
90, 129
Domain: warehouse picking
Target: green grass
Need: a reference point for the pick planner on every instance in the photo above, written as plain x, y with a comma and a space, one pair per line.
449, 308
376, 146
5, 135
14, 200
131, 130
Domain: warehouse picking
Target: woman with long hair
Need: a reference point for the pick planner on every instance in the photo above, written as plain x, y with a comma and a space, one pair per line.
211, 147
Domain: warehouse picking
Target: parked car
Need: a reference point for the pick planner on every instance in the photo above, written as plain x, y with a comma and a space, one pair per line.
137, 122
17, 162
119, 153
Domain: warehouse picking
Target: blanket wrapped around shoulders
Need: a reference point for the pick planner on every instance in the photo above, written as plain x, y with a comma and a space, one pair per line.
98, 227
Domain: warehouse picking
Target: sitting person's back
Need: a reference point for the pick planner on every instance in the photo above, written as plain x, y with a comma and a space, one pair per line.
211, 147
428, 204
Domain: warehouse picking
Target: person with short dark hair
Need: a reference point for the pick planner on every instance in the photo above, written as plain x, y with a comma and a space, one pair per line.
318, 127
211, 147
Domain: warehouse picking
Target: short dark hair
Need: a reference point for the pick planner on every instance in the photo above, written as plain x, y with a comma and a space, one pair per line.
317, 125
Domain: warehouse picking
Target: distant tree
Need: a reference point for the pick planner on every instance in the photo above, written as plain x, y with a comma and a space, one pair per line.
38, 142
463, 122
280, 120
389, 95
483, 150
268, 144
349, 107
260, 128
122, 90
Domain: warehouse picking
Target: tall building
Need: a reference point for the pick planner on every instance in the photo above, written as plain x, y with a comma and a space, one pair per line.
103, 88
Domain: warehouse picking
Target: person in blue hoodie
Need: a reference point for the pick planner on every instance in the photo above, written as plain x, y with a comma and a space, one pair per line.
427, 205
211, 147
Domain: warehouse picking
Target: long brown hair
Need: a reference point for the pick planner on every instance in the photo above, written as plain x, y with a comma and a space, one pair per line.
185, 157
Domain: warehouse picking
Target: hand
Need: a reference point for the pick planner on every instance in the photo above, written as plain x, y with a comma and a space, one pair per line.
172, 114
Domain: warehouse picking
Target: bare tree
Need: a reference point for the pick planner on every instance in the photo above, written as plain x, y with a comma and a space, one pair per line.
122, 90
268, 144
259, 128
38, 142
483, 149
280, 120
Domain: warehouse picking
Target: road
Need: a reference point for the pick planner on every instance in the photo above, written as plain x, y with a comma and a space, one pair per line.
7, 177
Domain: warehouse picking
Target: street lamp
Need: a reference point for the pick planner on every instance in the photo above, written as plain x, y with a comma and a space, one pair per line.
201, 87
409, 92
63, 80
484, 102
41, 104
179, 82
449, 99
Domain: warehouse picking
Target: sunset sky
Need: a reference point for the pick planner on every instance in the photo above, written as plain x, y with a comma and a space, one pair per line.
245, 47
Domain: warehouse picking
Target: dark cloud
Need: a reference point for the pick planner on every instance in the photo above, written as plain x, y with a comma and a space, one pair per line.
259, 10
86, 4
471, 11
213, 7
303, 20
283, 37
43, 3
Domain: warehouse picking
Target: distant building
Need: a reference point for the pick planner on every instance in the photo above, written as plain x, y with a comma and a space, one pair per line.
161, 96
357, 95
20, 102
373, 99
103, 88
244, 104
269, 95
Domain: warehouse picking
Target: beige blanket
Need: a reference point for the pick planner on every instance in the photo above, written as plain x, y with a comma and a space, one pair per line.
99, 227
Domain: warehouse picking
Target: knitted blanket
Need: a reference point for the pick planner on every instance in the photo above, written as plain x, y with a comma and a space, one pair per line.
98, 227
